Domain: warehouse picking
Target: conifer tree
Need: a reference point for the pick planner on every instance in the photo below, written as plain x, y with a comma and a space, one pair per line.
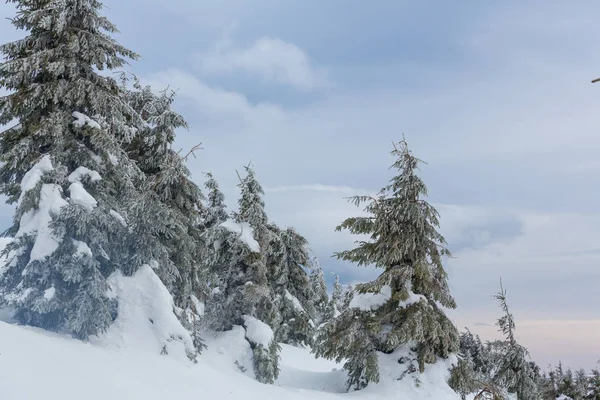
252, 212
293, 291
64, 167
593, 387
215, 211
240, 263
218, 262
319, 292
169, 186
333, 307
405, 243
513, 370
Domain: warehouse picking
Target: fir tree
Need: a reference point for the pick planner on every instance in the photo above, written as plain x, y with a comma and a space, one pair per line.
217, 262
513, 371
179, 200
405, 243
319, 292
337, 297
64, 166
252, 212
215, 212
243, 288
293, 291
593, 386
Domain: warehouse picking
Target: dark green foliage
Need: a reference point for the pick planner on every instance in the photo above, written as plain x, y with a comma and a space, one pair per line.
357, 344
169, 194
404, 242
64, 166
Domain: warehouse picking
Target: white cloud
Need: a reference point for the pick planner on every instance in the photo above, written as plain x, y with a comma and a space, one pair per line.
272, 59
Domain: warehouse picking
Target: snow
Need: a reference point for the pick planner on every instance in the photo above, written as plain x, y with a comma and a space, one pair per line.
245, 232
82, 120
81, 172
113, 159
69, 369
81, 196
34, 175
82, 248
258, 332
412, 299
146, 322
294, 300
49, 293
198, 305
371, 301
118, 217
128, 359
50, 203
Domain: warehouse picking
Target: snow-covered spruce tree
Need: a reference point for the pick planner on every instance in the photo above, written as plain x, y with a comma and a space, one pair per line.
512, 369
215, 211
413, 287
337, 296
217, 261
474, 372
291, 286
593, 387
319, 292
243, 296
64, 167
170, 193
251, 211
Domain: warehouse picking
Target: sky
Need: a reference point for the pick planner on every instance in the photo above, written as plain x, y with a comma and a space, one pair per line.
494, 96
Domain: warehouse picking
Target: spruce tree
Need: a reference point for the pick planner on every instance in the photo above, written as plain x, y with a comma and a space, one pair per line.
252, 212
405, 244
293, 291
217, 262
243, 292
215, 211
319, 292
337, 296
593, 387
513, 370
170, 188
64, 167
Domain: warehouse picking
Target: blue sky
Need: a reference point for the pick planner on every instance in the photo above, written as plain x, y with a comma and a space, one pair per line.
495, 96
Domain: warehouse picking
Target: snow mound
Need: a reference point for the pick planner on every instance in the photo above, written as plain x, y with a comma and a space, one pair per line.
50, 203
146, 321
301, 370
34, 175
82, 120
68, 369
81, 172
258, 332
371, 301
81, 196
296, 303
245, 232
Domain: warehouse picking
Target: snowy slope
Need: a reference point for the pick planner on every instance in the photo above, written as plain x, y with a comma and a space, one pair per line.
126, 362
64, 368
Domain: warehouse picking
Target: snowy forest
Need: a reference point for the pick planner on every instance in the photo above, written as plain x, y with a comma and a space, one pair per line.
112, 240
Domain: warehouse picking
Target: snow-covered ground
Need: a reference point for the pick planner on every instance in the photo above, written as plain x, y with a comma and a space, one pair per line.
126, 362
35, 364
